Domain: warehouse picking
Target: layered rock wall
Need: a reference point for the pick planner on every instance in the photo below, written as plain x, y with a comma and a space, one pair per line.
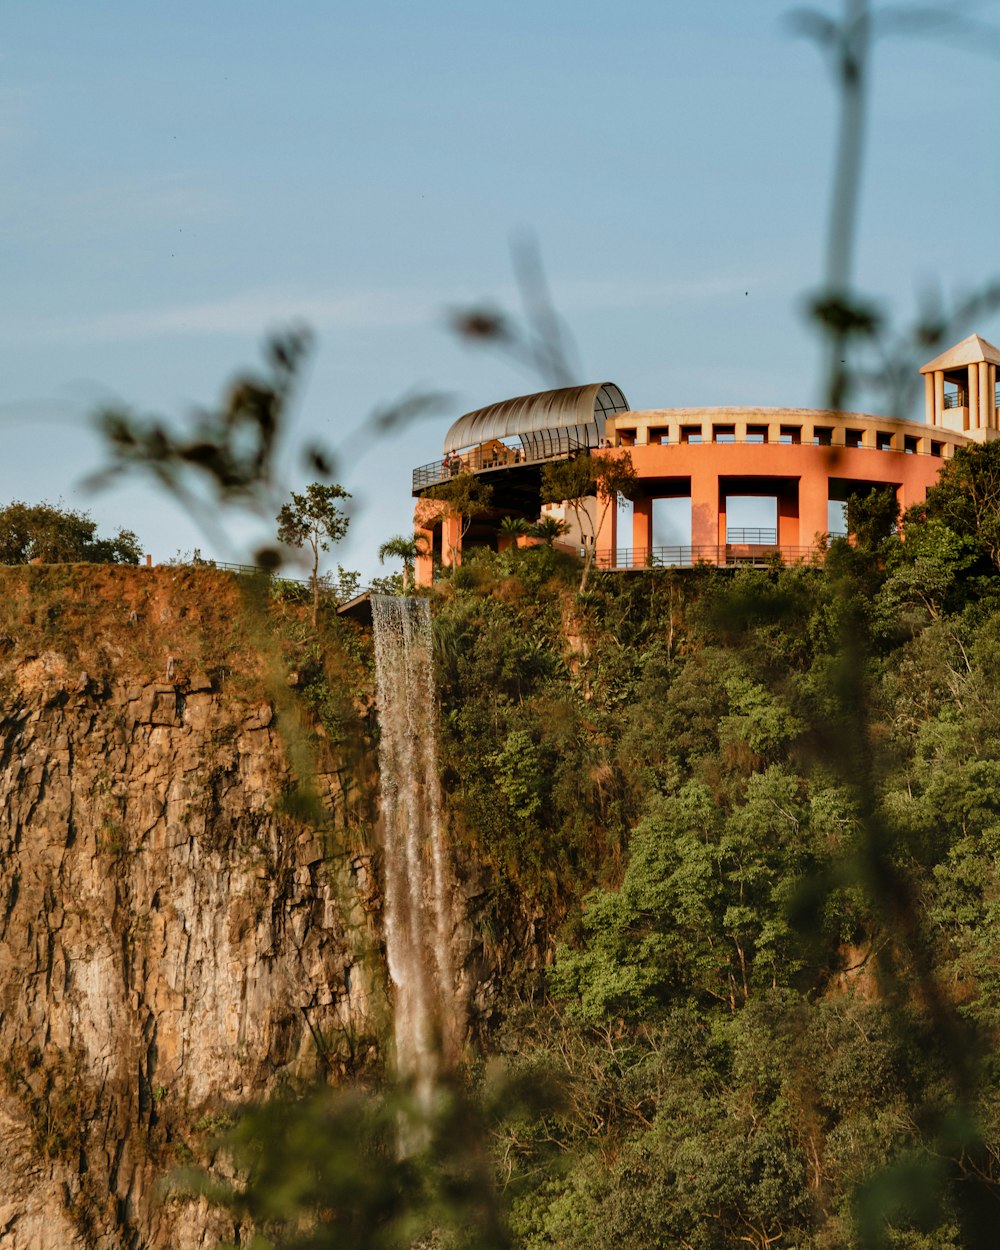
170, 943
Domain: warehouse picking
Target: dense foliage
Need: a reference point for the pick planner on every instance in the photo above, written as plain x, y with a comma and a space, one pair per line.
733, 838
54, 535
758, 816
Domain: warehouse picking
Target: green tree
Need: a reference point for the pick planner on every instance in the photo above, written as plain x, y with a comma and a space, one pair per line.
580, 479
406, 549
548, 529
966, 496
463, 497
925, 573
514, 527
314, 520
57, 535
872, 518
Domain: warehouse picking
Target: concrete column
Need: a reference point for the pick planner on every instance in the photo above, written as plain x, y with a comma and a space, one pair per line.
929, 398
814, 499
642, 527
985, 398
423, 573
606, 533
451, 540
938, 397
993, 397
705, 528
788, 516
974, 394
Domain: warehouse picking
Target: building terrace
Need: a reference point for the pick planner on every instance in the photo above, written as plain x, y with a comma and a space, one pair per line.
802, 459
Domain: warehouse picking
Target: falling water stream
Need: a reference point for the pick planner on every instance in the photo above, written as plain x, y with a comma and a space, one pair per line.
418, 920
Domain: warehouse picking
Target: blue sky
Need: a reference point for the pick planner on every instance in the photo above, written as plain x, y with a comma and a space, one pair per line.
180, 179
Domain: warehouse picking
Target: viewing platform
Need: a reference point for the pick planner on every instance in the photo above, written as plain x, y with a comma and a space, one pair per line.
489, 458
690, 463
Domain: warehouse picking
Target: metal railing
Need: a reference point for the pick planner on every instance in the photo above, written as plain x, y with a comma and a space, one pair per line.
728, 555
760, 537
255, 570
480, 461
247, 570
959, 400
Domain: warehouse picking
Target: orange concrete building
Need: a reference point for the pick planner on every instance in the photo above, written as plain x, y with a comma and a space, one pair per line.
802, 459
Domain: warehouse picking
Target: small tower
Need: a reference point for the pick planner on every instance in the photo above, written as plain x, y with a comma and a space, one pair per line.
960, 389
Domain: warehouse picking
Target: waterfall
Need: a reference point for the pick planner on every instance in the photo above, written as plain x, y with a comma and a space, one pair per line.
418, 919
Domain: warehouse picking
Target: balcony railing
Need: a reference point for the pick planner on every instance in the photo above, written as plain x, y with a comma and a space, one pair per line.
729, 555
959, 400
758, 537
482, 460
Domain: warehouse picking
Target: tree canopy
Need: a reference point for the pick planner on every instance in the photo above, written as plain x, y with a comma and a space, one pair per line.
314, 520
462, 496
407, 549
966, 496
579, 479
56, 535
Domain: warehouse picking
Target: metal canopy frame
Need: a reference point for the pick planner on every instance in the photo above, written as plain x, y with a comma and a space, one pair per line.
546, 423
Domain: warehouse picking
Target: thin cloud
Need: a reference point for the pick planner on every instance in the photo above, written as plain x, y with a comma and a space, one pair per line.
586, 295
246, 313
109, 209
147, 199
254, 312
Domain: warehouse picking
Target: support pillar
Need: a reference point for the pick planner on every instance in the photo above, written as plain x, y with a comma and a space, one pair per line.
642, 528
814, 507
451, 540
788, 517
929, 398
423, 570
705, 511
938, 397
974, 411
985, 398
606, 537
426, 520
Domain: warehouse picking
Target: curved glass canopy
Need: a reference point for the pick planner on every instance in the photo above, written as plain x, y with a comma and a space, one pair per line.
545, 423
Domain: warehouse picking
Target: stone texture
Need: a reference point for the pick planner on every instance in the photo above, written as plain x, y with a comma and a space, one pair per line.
169, 947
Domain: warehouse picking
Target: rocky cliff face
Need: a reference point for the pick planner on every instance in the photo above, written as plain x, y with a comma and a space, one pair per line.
170, 943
